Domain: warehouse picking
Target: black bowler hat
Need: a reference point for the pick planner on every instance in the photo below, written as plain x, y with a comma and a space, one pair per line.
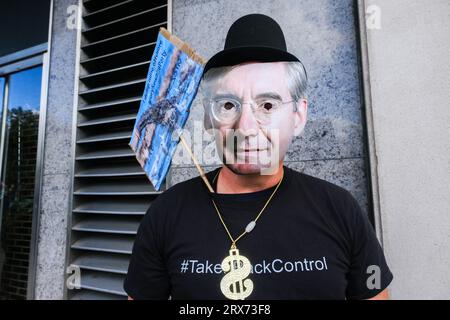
254, 37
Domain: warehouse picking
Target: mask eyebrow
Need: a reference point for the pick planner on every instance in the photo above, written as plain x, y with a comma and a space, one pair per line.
264, 95
225, 95
270, 95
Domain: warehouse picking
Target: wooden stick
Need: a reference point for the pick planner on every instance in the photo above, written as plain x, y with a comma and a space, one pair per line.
200, 170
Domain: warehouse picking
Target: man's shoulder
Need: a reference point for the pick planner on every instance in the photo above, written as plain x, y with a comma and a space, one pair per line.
316, 183
321, 188
170, 202
186, 188
336, 203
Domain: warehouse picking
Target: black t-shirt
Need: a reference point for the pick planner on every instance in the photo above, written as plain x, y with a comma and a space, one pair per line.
311, 242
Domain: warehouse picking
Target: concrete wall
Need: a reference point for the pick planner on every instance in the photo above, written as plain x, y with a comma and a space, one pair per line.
55, 192
322, 34
409, 66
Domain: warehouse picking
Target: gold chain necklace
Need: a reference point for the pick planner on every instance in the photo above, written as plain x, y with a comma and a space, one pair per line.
234, 284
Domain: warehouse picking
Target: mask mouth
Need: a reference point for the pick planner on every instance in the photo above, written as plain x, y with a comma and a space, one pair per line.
252, 150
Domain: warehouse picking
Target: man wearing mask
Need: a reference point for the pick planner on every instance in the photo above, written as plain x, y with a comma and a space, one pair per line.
267, 231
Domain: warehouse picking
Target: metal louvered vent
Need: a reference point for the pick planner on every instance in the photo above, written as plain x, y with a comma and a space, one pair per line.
110, 190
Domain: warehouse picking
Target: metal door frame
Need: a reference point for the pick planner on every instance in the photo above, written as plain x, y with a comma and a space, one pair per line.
11, 64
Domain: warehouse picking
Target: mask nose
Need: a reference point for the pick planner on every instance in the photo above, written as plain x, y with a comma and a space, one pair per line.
247, 125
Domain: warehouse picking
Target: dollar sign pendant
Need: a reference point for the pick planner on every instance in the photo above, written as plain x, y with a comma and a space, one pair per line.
234, 284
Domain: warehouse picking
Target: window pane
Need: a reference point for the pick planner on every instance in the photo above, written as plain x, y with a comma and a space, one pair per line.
2, 86
2, 95
23, 24
18, 180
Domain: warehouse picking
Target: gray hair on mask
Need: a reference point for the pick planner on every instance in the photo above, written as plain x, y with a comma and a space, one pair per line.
297, 81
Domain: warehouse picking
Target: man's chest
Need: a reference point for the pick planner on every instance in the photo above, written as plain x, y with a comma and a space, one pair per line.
287, 265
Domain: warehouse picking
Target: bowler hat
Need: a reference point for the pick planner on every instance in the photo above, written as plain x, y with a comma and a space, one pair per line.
254, 37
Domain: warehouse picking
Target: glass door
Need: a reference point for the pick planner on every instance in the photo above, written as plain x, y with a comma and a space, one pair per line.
21, 95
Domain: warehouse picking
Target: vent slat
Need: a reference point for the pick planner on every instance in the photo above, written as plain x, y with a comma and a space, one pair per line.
119, 58
121, 9
113, 103
97, 5
106, 120
112, 224
125, 23
106, 154
111, 87
113, 206
107, 262
121, 135
97, 12
103, 282
113, 76
125, 187
121, 42
111, 171
104, 243
82, 294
